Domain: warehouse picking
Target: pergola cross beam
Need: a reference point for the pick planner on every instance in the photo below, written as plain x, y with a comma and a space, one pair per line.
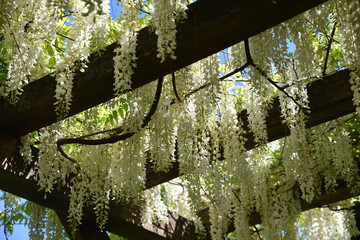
212, 25
330, 97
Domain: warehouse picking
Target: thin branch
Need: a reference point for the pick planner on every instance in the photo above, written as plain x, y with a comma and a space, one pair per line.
235, 71
113, 139
66, 15
198, 89
155, 103
178, 184
249, 59
116, 130
328, 49
294, 68
142, 10
263, 73
233, 191
223, 78
13, 35
236, 80
300, 80
62, 35
174, 87
60, 49
247, 64
65, 155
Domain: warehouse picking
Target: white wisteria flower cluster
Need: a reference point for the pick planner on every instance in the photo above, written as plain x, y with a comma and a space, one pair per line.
25, 29
84, 27
207, 130
124, 60
165, 16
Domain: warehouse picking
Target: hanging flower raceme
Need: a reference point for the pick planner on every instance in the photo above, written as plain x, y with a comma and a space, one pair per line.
24, 31
201, 126
162, 132
165, 16
78, 50
124, 61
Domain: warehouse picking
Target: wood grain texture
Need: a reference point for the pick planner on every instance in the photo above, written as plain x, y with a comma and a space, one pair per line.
330, 98
211, 26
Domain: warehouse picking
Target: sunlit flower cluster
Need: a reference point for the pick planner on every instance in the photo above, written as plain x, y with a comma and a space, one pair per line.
25, 29
164, 18
204, 128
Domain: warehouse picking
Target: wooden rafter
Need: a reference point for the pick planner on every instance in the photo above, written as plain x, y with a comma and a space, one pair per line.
20, 178
340, 193
330, 97
211, 26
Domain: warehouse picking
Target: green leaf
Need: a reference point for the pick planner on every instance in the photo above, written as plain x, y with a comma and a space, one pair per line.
126, 107
52, 62
58, 45
116, 116
121, 112
50, 50
35, 134
111, 117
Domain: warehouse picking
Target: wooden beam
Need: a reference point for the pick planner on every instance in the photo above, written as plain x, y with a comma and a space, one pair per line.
86, 231
211, 26
20, 178
340, 193
330, 97
125, 220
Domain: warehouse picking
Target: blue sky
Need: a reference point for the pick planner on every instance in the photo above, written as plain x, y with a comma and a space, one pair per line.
20, 231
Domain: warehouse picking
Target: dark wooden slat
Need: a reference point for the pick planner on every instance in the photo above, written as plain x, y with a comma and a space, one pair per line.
330, 98
20, 179
212, 25
340, 193
87, 231
125, 220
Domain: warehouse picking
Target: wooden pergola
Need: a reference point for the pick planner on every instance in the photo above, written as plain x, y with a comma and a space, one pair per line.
212, 25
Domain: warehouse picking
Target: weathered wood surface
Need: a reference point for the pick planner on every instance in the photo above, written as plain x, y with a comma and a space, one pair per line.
330, 98
341, 193
212, 25
20, 178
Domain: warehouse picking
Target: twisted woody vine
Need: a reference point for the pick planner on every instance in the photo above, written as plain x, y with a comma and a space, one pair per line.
189, 117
